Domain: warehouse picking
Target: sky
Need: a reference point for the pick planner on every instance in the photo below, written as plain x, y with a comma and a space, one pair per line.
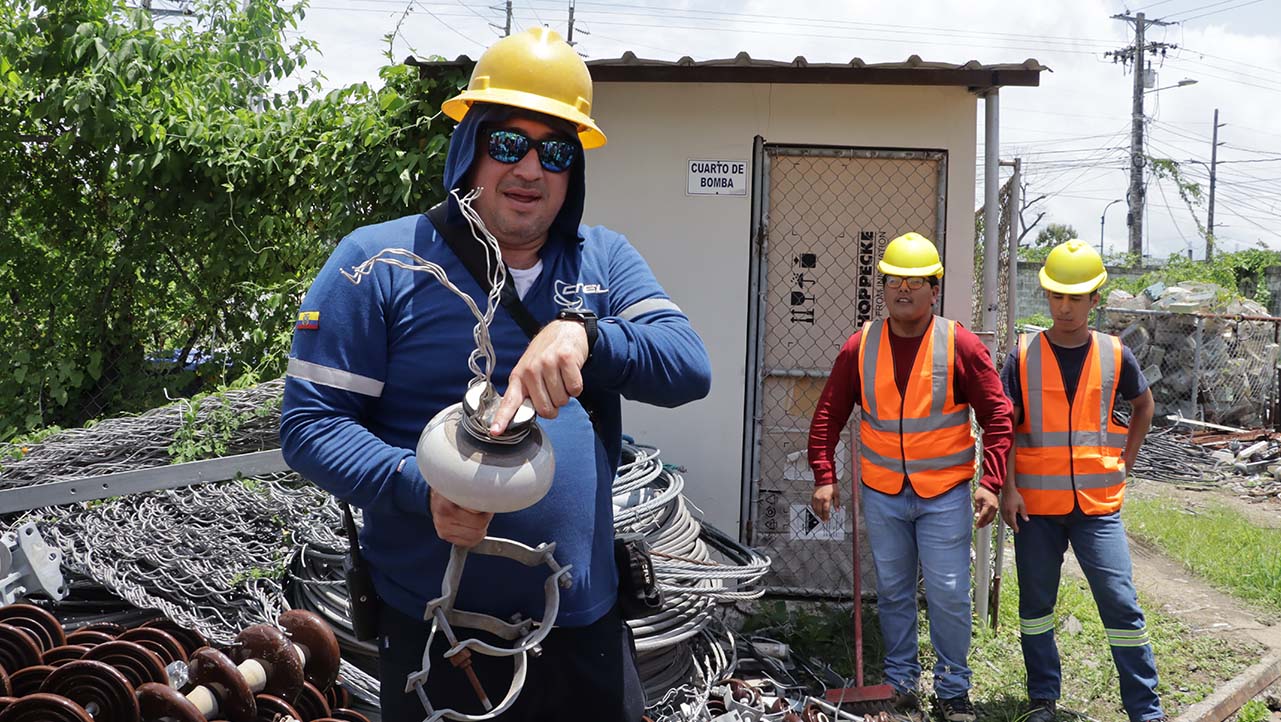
1072, 132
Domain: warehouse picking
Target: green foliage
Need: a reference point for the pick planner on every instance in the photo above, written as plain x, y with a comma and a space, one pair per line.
161, 191
1254, 711
1045, 241
209, 435
1217, 543
1231, 271
1035, 319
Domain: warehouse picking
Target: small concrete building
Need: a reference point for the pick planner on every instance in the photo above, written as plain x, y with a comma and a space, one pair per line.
762, 194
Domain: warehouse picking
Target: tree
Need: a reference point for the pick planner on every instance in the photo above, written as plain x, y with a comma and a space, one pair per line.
160, 194
1049, 237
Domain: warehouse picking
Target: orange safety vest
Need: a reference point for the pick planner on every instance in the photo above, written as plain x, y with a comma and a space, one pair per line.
923, 435
1069, 453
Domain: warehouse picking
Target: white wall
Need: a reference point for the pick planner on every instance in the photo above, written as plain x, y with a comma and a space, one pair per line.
699, 246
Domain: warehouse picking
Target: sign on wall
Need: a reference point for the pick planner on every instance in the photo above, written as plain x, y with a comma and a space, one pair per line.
717, 178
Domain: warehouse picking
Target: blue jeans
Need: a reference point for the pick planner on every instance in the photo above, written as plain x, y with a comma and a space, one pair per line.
905, 529
1100, 546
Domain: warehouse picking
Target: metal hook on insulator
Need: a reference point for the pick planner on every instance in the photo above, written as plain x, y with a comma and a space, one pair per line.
526, 635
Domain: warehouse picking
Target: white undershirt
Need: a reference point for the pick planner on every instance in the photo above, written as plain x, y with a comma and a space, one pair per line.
525, 277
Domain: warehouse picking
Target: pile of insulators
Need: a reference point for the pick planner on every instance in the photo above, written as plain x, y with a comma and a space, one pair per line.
105, 672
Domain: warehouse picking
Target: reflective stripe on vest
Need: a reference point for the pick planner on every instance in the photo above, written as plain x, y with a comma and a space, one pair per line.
1069, 453
923, 434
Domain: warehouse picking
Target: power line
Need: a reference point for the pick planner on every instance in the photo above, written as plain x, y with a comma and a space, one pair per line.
1216, 12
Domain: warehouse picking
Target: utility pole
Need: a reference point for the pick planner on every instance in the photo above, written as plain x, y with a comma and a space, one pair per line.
570, 38
1137, 54
507, 29
1209, 218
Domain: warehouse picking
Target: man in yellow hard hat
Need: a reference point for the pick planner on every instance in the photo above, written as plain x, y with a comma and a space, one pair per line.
588, 323
916, 377
1071, 458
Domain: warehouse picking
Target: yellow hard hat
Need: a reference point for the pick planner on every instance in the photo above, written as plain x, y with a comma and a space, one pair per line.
535, 70
911, 254
1073, 267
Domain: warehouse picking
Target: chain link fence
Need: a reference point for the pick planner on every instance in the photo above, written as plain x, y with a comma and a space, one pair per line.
830, 214
1216, 368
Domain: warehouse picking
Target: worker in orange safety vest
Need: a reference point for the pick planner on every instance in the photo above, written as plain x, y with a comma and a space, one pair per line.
1071, 458
916, 377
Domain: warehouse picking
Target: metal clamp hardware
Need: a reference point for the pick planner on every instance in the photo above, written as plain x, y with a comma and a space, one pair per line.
526, 634
29, 565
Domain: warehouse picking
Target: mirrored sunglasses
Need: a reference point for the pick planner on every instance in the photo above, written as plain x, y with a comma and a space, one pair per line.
510, 146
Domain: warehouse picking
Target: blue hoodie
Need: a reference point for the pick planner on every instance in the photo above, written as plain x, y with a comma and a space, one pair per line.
373, 362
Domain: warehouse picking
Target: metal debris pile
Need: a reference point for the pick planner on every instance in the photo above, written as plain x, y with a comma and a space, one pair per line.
1249, 461
1204, 356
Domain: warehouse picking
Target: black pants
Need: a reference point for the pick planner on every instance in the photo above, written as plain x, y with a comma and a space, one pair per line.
582, 671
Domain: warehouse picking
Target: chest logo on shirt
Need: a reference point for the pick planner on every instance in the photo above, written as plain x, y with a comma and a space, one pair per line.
570, 295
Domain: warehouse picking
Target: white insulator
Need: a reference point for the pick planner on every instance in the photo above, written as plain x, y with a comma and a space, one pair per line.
254, 673
483, 475
204, 700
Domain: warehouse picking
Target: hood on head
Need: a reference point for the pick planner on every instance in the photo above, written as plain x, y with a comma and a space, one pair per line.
462, 151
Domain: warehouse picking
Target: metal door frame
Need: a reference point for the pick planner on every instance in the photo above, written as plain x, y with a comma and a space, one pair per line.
753, 403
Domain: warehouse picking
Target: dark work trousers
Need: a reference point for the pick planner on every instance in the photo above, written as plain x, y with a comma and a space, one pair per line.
583, 673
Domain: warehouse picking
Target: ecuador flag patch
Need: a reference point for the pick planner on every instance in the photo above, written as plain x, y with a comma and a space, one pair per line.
308, 320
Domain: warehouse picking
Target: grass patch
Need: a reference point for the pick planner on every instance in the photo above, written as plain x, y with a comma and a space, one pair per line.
1217, 543
1190, 666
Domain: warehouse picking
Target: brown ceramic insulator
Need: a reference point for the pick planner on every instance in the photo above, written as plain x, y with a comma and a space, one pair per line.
5, 689
348, 715
311, 632
273, 650
311, 703
46, 626
89, 637
42, 707
28, 679
158, 641
210, 668
160, 701
812, 713
137, 663
272, 708
17, 649
59, 656
337, 696
105, 627
97, 687
743, 692
190, 639
6, 701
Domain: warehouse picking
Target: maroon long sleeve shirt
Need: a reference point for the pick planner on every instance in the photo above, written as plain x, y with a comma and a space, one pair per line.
975, 383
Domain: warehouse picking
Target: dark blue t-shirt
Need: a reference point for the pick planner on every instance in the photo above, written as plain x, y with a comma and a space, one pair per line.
1071, 360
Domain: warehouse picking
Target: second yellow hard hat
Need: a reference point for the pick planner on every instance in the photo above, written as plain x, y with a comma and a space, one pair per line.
1073, 267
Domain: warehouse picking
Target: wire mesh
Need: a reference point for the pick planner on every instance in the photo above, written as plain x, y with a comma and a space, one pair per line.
1210, 367
830, 215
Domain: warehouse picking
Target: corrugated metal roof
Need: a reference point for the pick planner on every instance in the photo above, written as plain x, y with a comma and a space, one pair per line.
743, 68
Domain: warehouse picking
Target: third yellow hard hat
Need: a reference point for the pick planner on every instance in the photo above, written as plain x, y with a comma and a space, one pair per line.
1073, 267
911, 254
535, 70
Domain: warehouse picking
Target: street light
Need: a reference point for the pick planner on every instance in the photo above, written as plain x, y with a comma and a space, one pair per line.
1181, 84
1102, 219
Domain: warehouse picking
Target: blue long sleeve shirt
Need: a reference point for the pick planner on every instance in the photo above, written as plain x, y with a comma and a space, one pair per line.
387, 354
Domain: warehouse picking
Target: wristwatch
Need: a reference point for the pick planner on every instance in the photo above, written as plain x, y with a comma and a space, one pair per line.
585, 317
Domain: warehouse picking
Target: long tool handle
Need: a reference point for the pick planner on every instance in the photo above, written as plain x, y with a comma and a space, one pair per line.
858, 587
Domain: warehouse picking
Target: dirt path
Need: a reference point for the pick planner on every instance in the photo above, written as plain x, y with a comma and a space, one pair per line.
1188, 597
1192, 600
